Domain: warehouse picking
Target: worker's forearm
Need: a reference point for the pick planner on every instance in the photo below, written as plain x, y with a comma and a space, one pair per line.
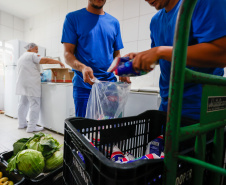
72, 61
117, 54
200, 55
206, 55
49, 61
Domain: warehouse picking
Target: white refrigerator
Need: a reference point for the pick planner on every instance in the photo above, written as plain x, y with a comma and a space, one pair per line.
13, 50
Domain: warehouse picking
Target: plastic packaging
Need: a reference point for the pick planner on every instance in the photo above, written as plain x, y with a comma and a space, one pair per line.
154, 150
128, 157
46, 76
156, 146
123, 66
116, 154
107, 100
148, 156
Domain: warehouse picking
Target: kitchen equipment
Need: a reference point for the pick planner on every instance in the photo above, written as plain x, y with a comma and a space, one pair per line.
57, 104
141, 100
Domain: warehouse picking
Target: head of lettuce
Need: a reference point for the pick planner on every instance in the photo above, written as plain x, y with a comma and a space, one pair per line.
29, 162
32, 155
44, 143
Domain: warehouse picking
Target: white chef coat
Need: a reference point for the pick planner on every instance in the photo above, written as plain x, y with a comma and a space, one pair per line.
28, 81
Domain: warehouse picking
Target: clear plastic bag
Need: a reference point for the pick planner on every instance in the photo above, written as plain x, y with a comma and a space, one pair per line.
107, 100
46, 76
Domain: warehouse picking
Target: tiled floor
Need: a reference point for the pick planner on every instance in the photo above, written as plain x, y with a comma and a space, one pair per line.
9, 133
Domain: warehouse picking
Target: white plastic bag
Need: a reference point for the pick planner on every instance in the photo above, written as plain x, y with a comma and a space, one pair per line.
107, 100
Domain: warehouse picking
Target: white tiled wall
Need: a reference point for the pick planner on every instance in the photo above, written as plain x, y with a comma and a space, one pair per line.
45, 29
134, 16
11, 27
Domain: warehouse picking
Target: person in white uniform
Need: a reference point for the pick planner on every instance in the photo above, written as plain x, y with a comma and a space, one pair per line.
28, 86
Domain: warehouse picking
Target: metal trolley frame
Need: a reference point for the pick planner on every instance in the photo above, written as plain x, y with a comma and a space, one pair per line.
212, 116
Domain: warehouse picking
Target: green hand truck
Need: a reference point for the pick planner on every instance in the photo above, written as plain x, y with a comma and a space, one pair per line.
212, 116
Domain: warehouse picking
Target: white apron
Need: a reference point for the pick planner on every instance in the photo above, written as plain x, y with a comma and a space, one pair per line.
28, 81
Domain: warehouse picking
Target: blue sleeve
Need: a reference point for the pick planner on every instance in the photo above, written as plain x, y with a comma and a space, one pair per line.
69, 34
151, 35
209, 20
118, 39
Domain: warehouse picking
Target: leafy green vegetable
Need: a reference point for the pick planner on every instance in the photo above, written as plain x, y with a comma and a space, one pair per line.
30, 162
44, 143
30, 154
19, 145
55, 161
12, 164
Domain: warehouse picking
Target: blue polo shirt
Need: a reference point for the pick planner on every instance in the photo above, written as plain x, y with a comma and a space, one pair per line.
208, 24
96, 37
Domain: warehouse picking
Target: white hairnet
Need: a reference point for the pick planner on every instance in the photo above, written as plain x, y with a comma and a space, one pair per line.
30, 46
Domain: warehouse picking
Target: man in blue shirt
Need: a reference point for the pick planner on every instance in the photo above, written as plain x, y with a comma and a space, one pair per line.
206, 50
92, 39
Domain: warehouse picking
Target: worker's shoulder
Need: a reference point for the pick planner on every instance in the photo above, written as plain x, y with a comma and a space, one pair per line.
157, 15
26, 56
109, 16
209, 8
29, 55
76, 13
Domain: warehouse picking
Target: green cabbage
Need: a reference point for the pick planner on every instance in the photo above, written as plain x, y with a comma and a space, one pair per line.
30, 162
55, 161
30, 155
44, 143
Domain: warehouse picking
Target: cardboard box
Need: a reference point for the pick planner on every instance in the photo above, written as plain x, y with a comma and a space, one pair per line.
62, 75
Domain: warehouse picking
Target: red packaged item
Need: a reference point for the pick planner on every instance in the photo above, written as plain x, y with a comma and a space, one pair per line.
116, 154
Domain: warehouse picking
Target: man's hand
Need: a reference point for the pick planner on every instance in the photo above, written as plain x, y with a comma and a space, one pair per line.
87, 73
124, 79
131, 55
145, 59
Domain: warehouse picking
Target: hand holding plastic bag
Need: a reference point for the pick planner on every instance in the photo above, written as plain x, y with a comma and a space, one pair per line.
107, 100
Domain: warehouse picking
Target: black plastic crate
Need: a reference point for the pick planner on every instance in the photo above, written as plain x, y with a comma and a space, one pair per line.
58, 180
131, 135
43, 179
15, 177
